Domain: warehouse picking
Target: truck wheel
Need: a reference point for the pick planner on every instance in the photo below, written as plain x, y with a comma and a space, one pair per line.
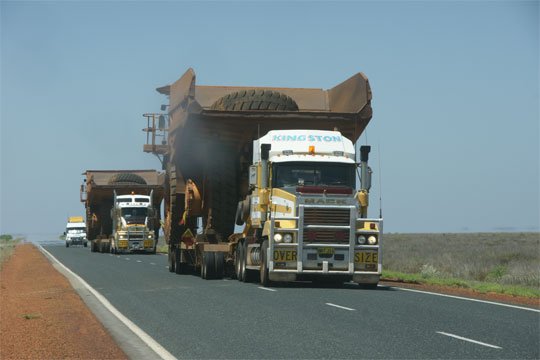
249, 275
239, 258
219, 263
265, 281
170, 258
179, 267
207, 265
255, 100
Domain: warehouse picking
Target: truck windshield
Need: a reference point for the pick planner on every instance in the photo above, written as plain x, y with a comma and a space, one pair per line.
312, 174
76, 230
134, 215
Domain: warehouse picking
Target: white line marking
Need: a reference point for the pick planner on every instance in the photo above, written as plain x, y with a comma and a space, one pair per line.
167, 266
153, 264
147, 339
339, 306
469, 340
464, 298
139, 261
118, 257
267, 289
127, 258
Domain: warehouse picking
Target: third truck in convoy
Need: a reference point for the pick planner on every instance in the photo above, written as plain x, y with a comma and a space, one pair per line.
281, 162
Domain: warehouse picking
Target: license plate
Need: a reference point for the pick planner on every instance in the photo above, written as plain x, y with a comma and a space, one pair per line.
325, 251
122, 243
284, 255
366, 257
148, 243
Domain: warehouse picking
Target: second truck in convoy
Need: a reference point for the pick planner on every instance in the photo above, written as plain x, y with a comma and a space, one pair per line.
122, 209
279, 161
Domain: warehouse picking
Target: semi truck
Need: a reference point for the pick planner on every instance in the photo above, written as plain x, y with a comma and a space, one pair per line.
76, 231
226, 152
122, 209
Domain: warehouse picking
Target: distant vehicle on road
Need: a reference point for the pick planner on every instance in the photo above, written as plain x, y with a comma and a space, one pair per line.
76, 232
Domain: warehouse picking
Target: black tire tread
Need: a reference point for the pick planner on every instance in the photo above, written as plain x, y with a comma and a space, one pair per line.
255, 100
126, 178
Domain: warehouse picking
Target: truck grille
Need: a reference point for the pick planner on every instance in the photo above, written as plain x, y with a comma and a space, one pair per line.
319, 216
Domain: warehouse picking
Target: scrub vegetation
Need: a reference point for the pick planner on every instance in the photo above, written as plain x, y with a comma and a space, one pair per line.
7, 247
486, 262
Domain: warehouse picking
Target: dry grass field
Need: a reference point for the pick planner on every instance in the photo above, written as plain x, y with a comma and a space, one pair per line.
508, 259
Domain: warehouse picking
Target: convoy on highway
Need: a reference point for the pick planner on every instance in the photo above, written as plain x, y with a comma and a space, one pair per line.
279, 161
257, 183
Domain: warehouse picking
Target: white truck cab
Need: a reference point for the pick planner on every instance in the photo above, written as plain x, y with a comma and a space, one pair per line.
76, 232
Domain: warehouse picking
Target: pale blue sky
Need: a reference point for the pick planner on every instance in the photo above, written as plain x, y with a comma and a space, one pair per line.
455, 96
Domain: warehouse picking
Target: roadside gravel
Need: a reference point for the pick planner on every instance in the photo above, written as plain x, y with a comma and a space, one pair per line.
42, 317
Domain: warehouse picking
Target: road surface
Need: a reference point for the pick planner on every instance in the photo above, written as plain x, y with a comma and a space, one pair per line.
195, 318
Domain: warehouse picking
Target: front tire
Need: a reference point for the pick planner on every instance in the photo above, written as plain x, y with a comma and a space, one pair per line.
265, 281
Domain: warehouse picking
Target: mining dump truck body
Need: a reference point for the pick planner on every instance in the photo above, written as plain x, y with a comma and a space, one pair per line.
205, 138
98, 193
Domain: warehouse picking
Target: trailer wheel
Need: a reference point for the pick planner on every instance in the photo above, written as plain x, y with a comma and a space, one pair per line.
179, 267
239, 256
219, 263
170, 258
265, 280
255, 100
207, 265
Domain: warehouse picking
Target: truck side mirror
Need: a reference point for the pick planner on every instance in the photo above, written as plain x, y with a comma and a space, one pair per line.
253, 175
64, 233
151, 212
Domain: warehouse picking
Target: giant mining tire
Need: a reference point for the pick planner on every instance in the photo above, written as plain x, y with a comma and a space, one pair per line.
223, 191
126, 178
255, 100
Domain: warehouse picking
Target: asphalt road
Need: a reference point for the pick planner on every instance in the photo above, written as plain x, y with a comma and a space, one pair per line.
195, 318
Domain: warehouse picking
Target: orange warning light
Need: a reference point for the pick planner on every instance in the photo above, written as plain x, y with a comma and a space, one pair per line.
133, 193
312, 150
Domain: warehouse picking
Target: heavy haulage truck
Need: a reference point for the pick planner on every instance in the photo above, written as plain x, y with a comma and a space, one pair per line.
280, 162
122, 209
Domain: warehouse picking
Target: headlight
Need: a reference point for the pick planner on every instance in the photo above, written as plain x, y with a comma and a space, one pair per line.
123, 236
287, 238
372, 240
361, 239
278, 238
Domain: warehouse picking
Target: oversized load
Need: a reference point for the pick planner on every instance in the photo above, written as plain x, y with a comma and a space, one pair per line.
205, 143
122, 209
